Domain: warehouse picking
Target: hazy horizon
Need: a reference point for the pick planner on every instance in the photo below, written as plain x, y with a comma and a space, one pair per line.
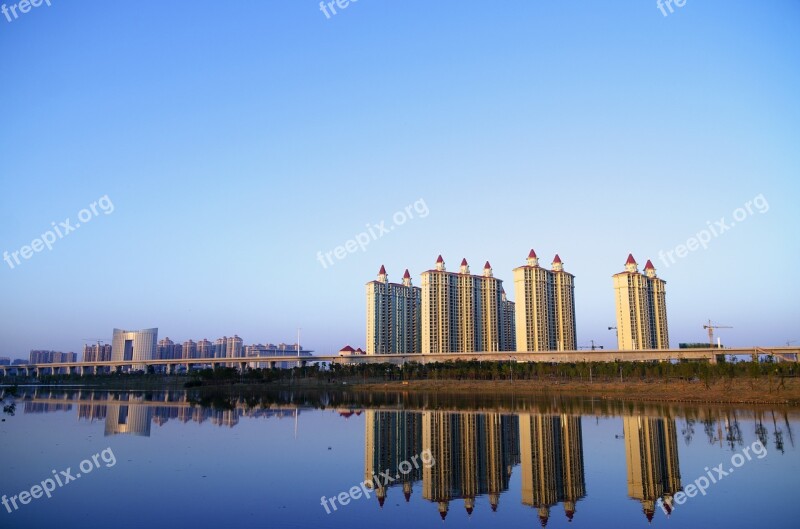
236, 145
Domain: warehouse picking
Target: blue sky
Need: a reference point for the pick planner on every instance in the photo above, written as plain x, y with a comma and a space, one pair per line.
236, 140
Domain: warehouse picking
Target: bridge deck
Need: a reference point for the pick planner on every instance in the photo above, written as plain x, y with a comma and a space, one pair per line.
710, 354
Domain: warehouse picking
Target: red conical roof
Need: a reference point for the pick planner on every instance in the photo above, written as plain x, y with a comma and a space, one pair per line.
440, 260
406, 275
487, 265
382, 271
532, 254
649, 265
464, 262
556, 259
630, 260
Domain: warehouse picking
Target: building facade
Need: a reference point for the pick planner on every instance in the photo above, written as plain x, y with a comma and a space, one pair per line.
50, 357
545, 306
462, 312
393, 315
98, 352
641, 308
508, 338
205, 349
134, 345
189, 349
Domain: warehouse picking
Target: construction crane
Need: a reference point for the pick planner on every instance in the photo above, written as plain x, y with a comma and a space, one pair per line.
592, 347
711, 328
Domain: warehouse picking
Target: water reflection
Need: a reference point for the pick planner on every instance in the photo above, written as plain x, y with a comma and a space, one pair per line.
651, 452
474, 456
477, 452
552, 463
133, 413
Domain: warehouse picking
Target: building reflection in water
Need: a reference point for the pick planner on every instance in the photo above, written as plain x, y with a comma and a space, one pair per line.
475, 454
133, 413
552, 462
651, 451
392, 438
130, 419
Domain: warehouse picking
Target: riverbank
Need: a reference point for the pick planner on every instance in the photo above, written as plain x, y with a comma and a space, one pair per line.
757, 391
762, 390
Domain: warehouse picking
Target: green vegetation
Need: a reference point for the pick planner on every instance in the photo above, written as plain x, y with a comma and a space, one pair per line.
456, 371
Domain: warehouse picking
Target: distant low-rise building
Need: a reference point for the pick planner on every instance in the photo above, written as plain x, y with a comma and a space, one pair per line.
50, 357
349, 351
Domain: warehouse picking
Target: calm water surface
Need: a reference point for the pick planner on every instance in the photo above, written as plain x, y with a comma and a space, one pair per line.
185, 459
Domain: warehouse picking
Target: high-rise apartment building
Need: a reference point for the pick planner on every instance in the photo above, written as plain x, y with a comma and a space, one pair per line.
189, 349
98, 352
393, 315
462, 312
545, 306
51, 357
563, 307
641, 308
205, 349
508, 338
234, 347
657, 296
221, 347
165, 350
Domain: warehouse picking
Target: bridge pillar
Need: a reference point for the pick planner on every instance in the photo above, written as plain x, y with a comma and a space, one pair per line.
303, 363
242, 367
272, 365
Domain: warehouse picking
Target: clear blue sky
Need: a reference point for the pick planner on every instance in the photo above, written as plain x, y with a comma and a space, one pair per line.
237, 139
